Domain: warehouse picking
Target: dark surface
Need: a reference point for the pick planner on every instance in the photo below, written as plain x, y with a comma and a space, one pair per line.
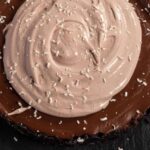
135, 138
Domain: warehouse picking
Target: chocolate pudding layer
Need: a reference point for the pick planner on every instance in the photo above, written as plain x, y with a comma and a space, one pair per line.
80, 78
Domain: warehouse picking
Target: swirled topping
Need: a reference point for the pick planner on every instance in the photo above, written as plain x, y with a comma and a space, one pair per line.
68, 58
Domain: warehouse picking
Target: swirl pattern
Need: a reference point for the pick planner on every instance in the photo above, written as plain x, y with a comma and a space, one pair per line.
68, 58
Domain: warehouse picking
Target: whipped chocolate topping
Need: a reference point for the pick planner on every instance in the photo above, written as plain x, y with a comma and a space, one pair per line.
68, 58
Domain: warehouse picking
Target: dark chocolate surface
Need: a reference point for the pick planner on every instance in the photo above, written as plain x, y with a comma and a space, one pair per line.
119, 113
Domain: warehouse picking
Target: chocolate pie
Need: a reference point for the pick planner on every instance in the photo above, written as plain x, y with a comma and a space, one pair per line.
74, 67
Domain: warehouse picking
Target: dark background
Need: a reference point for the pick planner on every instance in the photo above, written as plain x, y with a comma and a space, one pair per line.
136, 137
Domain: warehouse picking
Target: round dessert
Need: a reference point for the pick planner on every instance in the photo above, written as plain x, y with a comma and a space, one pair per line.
74, 62
68, 58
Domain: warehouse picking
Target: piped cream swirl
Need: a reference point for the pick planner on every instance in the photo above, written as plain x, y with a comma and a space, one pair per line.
68, 58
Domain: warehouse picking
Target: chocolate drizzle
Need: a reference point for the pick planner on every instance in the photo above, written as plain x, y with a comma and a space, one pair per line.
134, 99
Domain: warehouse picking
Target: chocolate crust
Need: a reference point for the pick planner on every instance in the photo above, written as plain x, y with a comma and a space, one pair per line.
134, 102
86, 139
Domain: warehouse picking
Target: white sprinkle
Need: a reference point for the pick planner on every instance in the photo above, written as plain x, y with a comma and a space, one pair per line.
84, 128
120, 58
55, 84
143, 73
48, 65
80, 140
60, 122
71, 106
108, 70
67, 86
71, 95
30, 103
66, 94
15, 139
7, 1
138, 111
99, 70
10, 88
104, 61
60, 79
126, 94
129, 58
78, 122
77, 83
114, 127
39, 101
19, 111
113, 100
50, 100
48, 94
35, 114
38, 118
20, 104
57, 53
21, 93
84, 98
2, 19
87, 89
139, 80
85, 122
144, 21
104, 119
43, 41
76, 53
145, 83
104, 80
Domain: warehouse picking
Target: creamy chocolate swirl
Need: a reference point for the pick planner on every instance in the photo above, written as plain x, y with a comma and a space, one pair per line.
68, 58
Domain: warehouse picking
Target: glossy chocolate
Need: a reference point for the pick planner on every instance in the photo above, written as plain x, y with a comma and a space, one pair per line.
134, 99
